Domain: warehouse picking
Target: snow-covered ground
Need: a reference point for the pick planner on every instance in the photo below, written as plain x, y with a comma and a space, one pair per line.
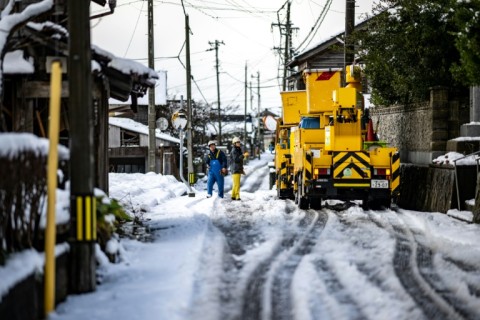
263, 258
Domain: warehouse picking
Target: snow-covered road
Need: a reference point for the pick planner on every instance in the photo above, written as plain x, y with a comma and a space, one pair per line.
263, 258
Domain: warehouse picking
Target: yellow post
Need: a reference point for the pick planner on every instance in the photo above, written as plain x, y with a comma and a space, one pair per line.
50, 232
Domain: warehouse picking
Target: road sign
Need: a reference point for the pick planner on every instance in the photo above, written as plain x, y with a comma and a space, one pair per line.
179, 120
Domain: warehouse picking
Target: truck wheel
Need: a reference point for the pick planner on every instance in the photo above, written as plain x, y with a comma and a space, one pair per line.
302, 201
273, 177
316, 203
380, 204
365, 204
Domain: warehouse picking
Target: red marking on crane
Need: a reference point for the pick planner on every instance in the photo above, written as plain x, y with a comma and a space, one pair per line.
325, 76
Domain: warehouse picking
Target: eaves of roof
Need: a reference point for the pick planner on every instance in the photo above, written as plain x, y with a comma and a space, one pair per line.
126, 76
306, 55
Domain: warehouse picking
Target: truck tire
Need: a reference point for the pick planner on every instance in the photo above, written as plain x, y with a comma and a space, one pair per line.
302, 200
316, 203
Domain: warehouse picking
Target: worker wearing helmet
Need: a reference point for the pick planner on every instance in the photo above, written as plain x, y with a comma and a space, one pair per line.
217, 164
236, 160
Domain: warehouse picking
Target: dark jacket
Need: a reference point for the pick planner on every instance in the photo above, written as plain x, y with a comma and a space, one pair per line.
219, 155
236, 160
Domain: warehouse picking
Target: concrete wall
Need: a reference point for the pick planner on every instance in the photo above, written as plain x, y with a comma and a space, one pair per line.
433, 188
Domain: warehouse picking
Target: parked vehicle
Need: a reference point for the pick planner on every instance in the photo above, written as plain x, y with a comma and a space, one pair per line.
326, 148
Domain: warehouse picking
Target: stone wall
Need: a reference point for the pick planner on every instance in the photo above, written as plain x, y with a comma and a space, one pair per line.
395, 125
420, 131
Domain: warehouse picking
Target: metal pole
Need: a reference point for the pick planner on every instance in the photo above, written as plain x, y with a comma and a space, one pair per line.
152, 141
52, 165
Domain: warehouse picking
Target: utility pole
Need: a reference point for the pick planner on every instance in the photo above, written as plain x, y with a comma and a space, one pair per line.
286, 31
216, 44
258, 107
245, 116
191, 174
349, 27
287, 48
82, 201
258, 111
152, 141
251, 108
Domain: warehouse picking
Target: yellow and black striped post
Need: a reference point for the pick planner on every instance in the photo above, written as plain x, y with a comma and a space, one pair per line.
86, 218
82, 275
395, 181
191, 178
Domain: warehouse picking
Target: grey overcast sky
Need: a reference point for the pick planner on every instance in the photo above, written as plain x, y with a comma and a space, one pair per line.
247, 29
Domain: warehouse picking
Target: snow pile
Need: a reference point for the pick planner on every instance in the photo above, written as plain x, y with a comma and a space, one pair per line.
455, 158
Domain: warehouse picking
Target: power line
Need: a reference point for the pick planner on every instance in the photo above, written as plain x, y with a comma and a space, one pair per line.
317, 24
134, 30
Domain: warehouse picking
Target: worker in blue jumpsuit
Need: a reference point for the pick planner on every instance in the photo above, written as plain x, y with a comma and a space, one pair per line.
217, 164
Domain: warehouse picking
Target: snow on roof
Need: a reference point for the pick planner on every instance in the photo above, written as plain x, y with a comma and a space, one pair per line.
16, 143
39, 26
125, 66
10, 20
15, 63
134, 126
160, 93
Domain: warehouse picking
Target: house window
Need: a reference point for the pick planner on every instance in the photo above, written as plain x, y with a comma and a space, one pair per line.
129, 138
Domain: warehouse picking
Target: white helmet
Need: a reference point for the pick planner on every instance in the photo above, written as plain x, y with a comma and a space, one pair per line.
211, 142
235, 140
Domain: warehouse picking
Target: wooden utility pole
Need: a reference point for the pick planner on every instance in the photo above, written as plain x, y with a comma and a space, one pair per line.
349, 27
216, 44
191, 173
285, 31
287, 48
252, 149
82, 171
246, 102
152, 116
258, 109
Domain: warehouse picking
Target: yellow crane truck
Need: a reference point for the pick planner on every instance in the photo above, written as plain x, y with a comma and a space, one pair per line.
326, 148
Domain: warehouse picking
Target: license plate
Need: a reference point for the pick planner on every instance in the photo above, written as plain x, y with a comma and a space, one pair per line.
379, 184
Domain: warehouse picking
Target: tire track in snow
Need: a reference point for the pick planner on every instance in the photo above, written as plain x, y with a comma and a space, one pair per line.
281, 304
243, 232
411, 262
328, 275
267, 295
258, 180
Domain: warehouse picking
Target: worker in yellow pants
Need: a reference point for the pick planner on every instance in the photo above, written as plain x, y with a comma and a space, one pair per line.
236, 161
236, 186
